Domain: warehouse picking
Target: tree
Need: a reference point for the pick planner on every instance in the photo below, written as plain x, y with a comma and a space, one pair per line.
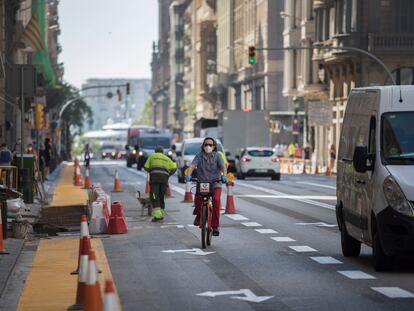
146, 115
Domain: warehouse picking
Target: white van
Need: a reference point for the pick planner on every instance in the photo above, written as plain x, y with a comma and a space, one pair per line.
375, 181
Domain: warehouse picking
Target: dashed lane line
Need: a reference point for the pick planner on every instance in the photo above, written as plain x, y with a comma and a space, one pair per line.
266, 231
303, 249
326, 260
236, 217
288, 196
251, 224
278, 193
393, 292
357, 275
282, 239
315, 184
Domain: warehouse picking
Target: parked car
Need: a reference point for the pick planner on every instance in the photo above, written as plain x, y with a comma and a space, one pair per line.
258, 162
189, 148
375, 181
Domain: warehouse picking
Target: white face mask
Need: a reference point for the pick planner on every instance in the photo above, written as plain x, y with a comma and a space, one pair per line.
208, 149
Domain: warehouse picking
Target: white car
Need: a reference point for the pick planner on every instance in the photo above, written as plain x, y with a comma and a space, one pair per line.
259, 162
189, 148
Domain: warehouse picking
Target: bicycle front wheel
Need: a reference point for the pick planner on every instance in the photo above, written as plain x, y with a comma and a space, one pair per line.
204, 229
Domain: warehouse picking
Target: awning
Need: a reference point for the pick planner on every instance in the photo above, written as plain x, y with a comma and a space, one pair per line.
31, 35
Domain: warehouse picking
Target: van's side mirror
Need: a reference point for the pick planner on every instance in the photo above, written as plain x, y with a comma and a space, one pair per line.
237, 157
228, 153
127, 147
178, 153
362, 160
173, 147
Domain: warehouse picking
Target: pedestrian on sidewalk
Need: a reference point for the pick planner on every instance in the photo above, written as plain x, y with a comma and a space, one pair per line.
5, 155
160, 167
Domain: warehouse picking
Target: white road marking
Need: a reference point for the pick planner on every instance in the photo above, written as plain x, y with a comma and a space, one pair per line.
315, 184
288, 196
393, 292
282, 239
172, 226
251, 224
303, 249
266, 231
191, 251
248, 295
236, 217
273, 192
357, 275
318, 224
326, 260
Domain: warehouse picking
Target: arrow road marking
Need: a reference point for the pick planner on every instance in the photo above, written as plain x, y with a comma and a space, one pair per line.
318, 224
191, 251
248, 295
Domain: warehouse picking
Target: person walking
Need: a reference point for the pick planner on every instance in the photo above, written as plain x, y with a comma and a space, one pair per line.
210, 167
87, 156
160, 167
5, 156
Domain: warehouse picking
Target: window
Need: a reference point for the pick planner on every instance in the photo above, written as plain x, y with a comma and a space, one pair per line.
260, 153
372, 136
403, 16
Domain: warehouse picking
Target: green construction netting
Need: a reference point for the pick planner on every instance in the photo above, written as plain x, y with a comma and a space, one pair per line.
41, 58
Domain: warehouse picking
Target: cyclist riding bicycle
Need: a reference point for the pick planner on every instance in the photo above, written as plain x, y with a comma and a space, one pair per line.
210, 167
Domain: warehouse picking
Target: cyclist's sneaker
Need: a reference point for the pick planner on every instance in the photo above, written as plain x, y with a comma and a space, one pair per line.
157, 219
196, 221
216, 232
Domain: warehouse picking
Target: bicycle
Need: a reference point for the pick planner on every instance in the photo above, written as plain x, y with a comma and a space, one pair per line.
205, 191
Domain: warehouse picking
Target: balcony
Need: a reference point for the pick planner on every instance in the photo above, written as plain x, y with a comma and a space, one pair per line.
391, 43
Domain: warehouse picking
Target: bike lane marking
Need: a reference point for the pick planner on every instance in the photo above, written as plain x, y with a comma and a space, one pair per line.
236, 217
357, 275
393, 292
303, 249
251, 224
326, 260
266, 231
282, 239
247, 295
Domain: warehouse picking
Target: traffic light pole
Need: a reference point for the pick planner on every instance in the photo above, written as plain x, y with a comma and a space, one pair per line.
345, 48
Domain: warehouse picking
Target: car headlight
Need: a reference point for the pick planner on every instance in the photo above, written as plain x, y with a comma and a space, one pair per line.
170, 153
187, 163
396, 198
104, 154
134, 152
140, 153
113, 154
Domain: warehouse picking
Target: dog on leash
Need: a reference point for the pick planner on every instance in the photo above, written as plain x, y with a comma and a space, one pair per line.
145, 204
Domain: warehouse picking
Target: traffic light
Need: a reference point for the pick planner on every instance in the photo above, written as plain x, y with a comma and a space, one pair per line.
39, 116
118, 92
128, 90
252, 55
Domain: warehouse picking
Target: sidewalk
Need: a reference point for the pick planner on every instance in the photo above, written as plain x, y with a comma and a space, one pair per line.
43, 267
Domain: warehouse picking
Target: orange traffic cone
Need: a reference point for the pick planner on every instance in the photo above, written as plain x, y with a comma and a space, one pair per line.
78, 178
188, 196
83, 269
147, 185
117, 183
230, 208
328, 171
93, 296
289, 168
87, 179
84, 232
316, 168
110, 303
75, 165
2, 249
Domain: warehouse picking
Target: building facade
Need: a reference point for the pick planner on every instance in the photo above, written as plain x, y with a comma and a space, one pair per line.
383, 28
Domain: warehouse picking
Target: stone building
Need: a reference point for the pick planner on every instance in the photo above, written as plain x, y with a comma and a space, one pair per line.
382, 27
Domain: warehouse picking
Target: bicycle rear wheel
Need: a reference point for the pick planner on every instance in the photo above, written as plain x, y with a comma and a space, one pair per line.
209, 229
204, 233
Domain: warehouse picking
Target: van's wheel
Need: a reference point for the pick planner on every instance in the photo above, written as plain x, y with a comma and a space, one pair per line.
382, 262
276, 176
128, 163
350, 246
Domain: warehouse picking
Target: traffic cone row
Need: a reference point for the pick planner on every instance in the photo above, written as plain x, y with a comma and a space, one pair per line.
2, 249
84, 232
188, 196
147, 185
117, 183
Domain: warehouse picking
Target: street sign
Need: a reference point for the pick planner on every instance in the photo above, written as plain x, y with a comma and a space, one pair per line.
241, 294
14, 81
319, 113
191, 251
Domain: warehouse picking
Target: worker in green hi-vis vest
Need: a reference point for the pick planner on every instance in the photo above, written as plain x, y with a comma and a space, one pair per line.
160, 167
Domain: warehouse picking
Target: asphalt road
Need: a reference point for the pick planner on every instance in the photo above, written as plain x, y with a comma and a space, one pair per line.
280, 252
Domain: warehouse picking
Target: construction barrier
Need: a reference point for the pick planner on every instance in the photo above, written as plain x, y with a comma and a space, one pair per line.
302, 166
117, 222
97, 222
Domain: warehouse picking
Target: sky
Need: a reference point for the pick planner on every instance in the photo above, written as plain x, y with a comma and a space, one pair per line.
107, 38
